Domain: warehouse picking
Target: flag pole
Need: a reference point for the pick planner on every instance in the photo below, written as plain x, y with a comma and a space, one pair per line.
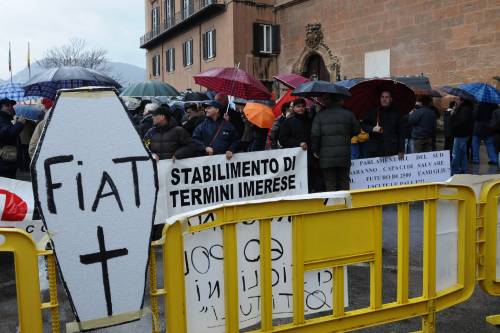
10, 64
29, 62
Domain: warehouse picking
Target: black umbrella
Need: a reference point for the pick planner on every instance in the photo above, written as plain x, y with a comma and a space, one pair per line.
320, 88
47, 83
192, 96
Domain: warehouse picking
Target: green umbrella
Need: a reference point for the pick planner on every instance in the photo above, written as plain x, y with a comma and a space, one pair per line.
150, 88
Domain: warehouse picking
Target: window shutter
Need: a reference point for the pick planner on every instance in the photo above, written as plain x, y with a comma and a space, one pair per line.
152, 18
276, 39
184, 53
173, 59
205, 46
191, 52
258, 40
214, 38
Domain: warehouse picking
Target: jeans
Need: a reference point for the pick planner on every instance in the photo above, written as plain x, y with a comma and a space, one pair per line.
490, 148
459, 155
354, 151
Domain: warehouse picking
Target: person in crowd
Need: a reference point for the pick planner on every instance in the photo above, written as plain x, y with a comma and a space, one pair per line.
331, 133
258, 138
215, 135
275, 130
177, 112
423, 125
495, 128
295, 131
483, 132
385, 127
166, 139
448, 138
9, 137
37, 133
147, 121
195, 116
230, 114
462, 126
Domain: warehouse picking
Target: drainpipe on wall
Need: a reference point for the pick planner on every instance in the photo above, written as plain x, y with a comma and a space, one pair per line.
199, 50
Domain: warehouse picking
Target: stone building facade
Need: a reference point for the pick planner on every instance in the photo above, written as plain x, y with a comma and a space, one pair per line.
450, 41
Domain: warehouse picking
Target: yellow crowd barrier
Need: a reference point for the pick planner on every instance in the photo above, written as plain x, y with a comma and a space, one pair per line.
27, 283
487, 242
333, 237
349, 232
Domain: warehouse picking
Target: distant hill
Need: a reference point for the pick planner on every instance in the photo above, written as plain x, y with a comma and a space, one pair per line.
125, 74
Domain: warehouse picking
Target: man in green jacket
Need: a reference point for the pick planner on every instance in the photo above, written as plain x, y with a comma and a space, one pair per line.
331, 133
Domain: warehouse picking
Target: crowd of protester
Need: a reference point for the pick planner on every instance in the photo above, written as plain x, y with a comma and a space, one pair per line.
330, 133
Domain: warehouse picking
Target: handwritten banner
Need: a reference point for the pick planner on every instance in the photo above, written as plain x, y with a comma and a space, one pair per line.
391, 171
204, 276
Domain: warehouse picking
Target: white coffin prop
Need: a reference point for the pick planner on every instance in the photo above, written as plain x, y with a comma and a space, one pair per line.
96, 185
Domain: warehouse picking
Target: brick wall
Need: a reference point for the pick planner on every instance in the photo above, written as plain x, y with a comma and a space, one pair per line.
451, 41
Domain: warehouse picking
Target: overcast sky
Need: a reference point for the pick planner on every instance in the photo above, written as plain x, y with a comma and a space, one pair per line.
114, 25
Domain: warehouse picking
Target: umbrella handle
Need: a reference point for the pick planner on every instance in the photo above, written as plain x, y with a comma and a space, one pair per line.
232, 86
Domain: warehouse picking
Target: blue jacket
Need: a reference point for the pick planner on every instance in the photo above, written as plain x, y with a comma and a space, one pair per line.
226, 139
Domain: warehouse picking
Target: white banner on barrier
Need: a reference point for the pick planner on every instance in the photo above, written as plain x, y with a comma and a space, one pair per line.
204, 277
391, 171
186, 185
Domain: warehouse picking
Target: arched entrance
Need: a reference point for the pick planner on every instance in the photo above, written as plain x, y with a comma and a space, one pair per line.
315, 68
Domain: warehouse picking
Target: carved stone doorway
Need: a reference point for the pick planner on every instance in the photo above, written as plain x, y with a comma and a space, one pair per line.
315, 68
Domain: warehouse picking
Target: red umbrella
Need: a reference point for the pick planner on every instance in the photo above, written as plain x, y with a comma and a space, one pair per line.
365, 96
234, 82
291, 80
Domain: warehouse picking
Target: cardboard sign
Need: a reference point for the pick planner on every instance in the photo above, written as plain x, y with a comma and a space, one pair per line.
186, 185
391, 171
95, 185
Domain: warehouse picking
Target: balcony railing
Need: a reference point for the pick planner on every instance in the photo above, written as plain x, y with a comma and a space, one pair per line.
186, 13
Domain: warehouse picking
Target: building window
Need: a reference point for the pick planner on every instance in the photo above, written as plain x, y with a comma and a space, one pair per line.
169, 12
155, 20
266, 39
156, 65
187, 53
209, 44
170, 60
207, 2
187, 8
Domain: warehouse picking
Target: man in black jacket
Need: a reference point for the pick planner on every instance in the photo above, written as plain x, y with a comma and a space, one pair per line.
483, 132
9, 136
295, 131
385, 127
196, 115
166, 139
331, 133
423, 123
461, 124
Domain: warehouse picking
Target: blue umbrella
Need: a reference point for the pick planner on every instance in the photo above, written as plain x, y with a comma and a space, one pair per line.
457, 92
482, 92
47, 83
31, 112
13, 91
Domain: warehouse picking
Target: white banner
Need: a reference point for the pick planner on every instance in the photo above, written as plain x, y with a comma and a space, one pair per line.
17, 208
189, 184
204, 277
391, 171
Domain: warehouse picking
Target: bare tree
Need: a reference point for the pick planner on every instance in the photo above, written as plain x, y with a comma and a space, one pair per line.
76, 53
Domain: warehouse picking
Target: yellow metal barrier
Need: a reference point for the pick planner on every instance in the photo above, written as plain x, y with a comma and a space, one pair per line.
27, 283
333, 237
487, 238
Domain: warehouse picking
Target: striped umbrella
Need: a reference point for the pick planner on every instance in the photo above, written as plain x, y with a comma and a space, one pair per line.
482, 92
13, 91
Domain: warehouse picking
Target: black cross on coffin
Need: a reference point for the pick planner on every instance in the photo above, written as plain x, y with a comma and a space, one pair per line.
103, 256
